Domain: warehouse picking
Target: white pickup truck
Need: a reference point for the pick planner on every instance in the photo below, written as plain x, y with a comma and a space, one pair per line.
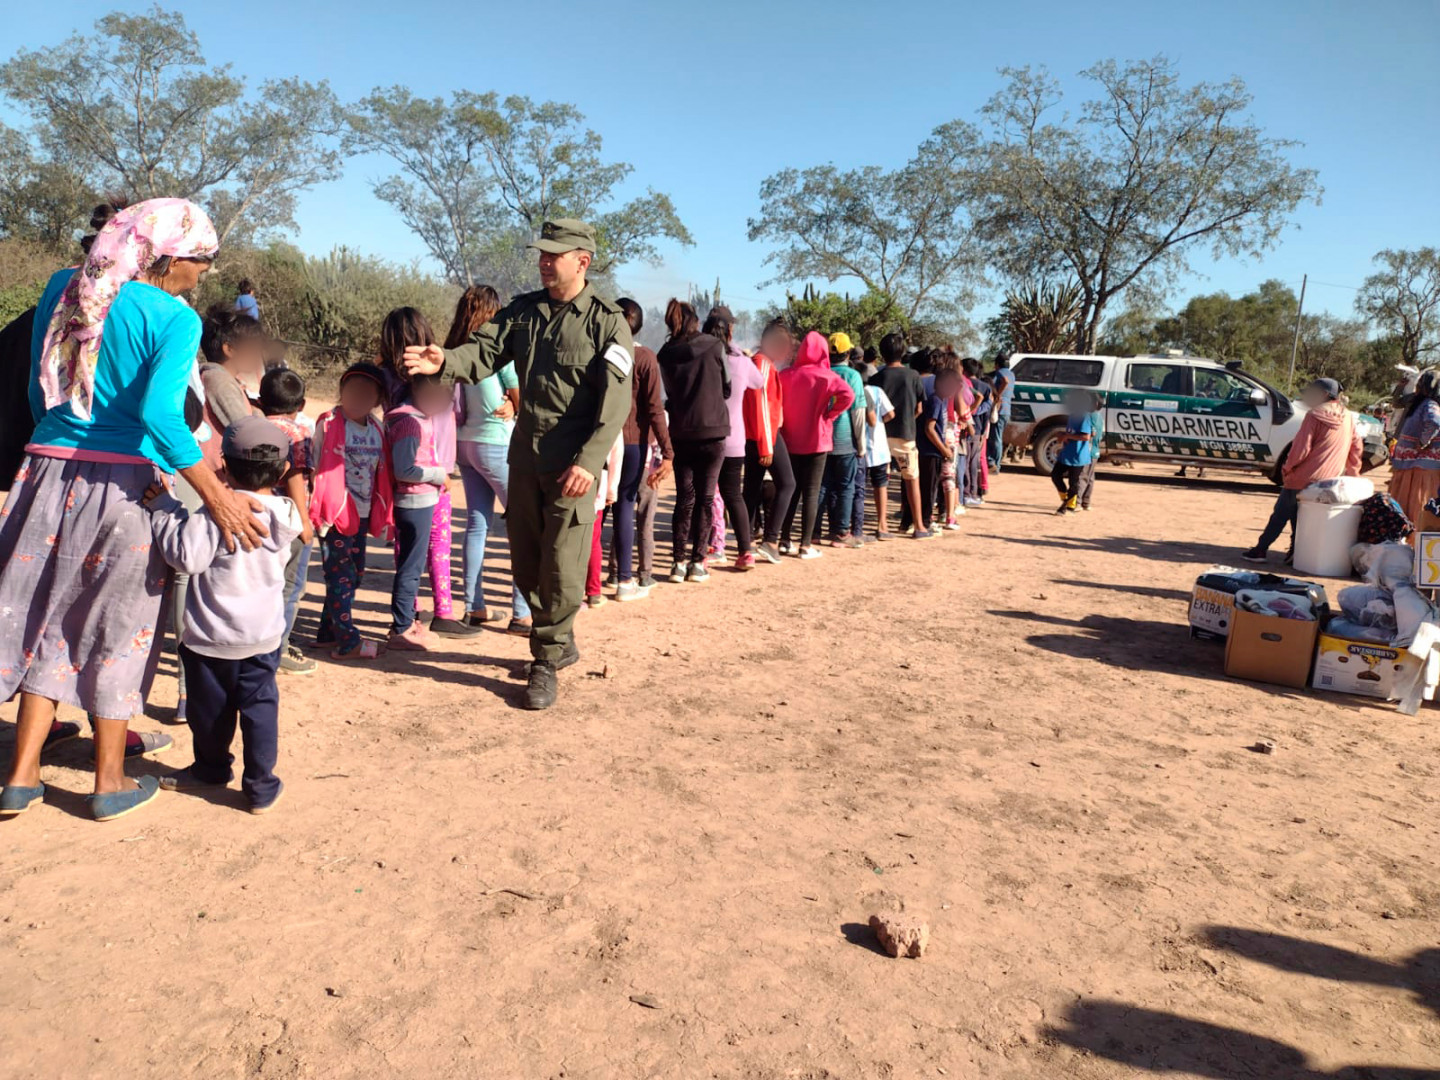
1178, 409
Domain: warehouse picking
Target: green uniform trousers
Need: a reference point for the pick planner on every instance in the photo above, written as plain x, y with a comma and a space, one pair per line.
550, 541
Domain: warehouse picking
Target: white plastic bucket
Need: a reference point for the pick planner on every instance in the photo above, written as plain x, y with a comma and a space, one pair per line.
1324, 534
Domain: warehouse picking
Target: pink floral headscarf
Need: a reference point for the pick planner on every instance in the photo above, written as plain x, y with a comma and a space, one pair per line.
128, 245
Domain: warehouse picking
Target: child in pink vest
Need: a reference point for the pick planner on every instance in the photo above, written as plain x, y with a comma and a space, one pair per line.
351, 497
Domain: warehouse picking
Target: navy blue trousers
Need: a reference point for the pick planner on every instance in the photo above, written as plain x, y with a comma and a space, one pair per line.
220, 693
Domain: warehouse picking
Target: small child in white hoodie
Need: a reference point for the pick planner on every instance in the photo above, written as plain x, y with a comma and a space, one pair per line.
234, 616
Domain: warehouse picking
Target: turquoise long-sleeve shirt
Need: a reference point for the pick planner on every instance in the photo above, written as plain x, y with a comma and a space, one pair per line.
147, 353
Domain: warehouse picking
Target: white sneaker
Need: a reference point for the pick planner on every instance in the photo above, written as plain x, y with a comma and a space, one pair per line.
631, 590
973, 503
810, 553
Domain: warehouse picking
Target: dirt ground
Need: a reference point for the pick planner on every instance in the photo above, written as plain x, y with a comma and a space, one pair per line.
1007, 728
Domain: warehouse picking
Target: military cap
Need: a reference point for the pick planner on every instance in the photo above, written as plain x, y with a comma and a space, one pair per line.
565, 234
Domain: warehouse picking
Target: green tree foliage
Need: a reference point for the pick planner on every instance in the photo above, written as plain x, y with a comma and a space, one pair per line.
1403, 299
1042, 318
479, 175
1121, 193
866, 319
135, 112
902, 234
328, 309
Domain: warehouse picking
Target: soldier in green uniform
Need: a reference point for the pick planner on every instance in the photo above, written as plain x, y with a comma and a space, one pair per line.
573, 356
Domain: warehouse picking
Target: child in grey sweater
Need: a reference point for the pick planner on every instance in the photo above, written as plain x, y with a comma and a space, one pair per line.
234, 616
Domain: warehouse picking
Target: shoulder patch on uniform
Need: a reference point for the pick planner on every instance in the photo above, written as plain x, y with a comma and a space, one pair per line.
619, 358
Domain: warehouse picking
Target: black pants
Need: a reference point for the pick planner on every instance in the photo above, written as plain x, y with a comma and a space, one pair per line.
929, 488
809, 475
783, 476
697, 470
732, 491
219, 693
1067, 480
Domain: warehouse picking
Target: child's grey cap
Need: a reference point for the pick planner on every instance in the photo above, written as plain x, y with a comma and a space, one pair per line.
253, 438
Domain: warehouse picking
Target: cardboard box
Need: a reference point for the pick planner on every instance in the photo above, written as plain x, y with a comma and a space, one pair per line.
1212, 601
1349, 666
1269, 649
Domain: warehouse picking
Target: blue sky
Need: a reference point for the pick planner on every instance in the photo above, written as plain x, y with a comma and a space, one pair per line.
706, 101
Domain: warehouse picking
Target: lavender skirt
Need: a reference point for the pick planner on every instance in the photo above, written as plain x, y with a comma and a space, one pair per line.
81, 586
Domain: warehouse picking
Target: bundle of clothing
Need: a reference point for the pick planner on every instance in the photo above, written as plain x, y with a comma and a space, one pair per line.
1281, 605
1389, 610
1339, 491
1383, 521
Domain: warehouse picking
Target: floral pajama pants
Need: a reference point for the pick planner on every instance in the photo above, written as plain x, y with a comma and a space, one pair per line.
344, 562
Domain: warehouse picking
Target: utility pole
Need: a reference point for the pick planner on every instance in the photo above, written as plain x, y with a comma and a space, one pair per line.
1295, 343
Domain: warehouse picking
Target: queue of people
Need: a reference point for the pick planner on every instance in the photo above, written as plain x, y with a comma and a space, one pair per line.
155, 471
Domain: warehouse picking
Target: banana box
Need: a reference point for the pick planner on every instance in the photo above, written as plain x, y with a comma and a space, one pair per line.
1348, 666
1427, 555
1212, 600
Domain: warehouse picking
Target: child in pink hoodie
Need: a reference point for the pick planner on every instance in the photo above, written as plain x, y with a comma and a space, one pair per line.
814, 396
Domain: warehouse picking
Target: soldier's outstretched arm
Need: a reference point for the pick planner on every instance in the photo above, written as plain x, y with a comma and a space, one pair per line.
484, 354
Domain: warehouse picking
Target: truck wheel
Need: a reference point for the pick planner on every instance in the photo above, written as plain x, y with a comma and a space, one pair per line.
1045, 449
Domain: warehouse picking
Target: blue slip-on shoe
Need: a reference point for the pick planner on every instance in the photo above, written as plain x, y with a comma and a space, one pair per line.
16, 800
117, 804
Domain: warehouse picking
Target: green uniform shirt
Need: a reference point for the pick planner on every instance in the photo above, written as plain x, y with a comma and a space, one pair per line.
574, 366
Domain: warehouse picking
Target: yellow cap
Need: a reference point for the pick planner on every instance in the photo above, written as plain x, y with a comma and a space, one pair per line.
840, 342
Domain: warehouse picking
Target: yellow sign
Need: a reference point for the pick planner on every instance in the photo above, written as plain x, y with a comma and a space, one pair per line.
1427, 560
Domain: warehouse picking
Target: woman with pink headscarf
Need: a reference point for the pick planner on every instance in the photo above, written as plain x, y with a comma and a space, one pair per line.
81, 584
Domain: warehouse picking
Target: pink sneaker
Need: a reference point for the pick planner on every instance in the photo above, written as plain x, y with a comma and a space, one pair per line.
745, 562
414, 638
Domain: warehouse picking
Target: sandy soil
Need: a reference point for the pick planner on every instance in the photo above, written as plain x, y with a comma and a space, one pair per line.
1008, 728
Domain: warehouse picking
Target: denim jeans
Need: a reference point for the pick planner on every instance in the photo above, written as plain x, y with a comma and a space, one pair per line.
297, 570
996, 450
412, 546
622, 540
1287, 508
837, 492
485, 474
